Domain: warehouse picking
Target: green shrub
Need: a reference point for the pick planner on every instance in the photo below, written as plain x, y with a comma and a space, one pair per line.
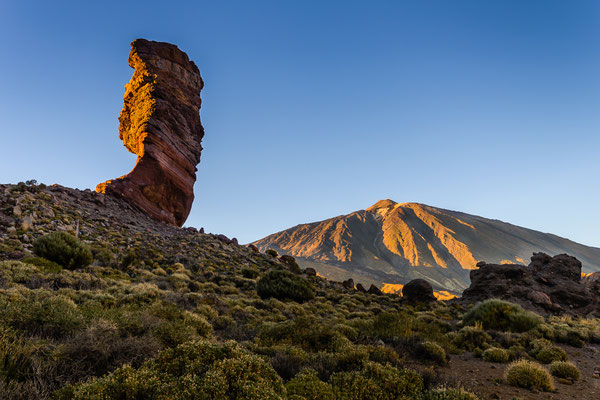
544, 352
496, 355
284, 285
63, 249
502, 315
571, 336
383, 355
308, 386
472, 337
194, 370
564, 369
272, 253
529, 375
432, 351
376, 381
389, 325
306, 332
41, 313
16, 355
250, 273
444, 393
44, 264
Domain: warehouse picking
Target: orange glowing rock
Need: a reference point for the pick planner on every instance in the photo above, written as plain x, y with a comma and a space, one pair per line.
160, 123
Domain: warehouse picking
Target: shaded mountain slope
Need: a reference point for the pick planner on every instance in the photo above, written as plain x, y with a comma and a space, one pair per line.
393, 242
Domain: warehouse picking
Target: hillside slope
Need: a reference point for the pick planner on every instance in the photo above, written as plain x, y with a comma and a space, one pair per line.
160, 312
392, 243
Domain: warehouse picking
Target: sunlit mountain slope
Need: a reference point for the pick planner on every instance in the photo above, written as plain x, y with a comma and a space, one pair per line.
393, 243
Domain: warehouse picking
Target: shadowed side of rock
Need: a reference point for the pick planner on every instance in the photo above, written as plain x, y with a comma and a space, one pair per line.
547, 285
160, 123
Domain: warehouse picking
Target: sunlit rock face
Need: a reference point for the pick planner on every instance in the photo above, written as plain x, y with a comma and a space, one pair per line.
392, 243
160, 123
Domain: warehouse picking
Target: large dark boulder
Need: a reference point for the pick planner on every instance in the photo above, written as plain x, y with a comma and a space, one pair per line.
418, 290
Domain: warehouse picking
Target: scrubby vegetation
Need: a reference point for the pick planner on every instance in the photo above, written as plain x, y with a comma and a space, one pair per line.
64, 249
496, 355
502, 315
433, 351
544, 352
565, 370
530, 375
444, 393
284, 285
177, 314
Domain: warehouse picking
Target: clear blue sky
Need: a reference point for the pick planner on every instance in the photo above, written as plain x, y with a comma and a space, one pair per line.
318, 108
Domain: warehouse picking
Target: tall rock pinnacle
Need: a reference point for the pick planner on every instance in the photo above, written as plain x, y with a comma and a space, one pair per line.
160, 123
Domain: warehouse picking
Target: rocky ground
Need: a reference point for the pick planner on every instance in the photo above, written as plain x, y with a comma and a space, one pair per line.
487, 379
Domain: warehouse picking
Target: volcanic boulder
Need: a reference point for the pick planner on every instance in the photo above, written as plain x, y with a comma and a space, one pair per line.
418, 290
547, 285
160, 123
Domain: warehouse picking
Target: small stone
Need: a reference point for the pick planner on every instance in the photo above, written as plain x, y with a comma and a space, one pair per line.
17, 212
47, 212
27, 223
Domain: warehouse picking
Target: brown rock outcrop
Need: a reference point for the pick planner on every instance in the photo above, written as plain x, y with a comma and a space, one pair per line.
160, 122
547, 285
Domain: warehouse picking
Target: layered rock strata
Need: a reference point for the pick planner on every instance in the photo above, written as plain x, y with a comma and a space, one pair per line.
160, 123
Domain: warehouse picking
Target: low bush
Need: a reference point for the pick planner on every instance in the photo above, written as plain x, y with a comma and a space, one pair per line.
284, 285
444, 393
432, 351
502, 315
564, 369
376, 381
529, 375
272, 253
100, 349
307, 385
390, 325
41, 313
472, 337
544, 352
496, 355
250, 273
194, 370
306, 332
63, 249
44, 264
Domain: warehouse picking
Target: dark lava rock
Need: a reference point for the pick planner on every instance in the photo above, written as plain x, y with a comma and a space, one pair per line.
547, 285
310, 272
348, 284
418, 290
361, 288
374, 290
291, 263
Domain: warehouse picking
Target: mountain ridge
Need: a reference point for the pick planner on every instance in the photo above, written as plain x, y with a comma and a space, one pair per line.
391, 243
